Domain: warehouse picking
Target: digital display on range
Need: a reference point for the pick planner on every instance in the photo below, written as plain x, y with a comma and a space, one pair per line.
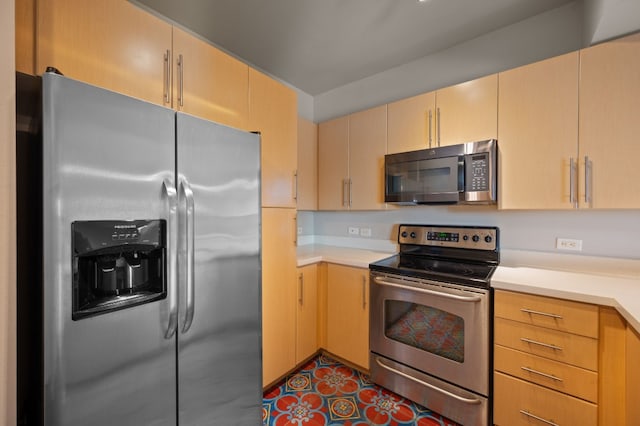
443, 236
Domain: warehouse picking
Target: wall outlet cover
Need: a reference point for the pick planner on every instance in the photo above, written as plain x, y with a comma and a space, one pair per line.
568, 244
354, 231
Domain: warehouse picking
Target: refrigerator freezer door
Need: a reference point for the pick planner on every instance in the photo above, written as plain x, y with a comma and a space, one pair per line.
219, 343
106, 157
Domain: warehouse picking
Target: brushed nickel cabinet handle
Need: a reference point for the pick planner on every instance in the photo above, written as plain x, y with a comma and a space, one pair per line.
533, 416
350, 193
540, 373
546, 345
438, 114
167, 77
180, 81
345, 192
301, 285
587, 181
364, 292
544, 314
295, 185
295, 230
572, 182
430, 139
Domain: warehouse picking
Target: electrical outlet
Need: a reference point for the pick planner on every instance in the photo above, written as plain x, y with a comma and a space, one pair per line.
365, 232
354, 231
568, 244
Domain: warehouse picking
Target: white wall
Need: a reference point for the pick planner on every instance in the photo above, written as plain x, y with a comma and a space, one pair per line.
7, 215
607, 19
604, 233
549, 34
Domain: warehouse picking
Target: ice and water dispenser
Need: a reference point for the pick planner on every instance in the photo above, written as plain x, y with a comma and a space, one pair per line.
117, 265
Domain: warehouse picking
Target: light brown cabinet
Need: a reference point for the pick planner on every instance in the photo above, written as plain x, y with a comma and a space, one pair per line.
111, 44
546, 360
307, 313
538, 134
460, 113
278, 293
273, 112
307, 174
632, 375
348, 313
25, 36
609, 125
351, 153
208, 83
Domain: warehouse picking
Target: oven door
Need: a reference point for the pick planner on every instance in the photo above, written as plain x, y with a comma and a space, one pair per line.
438, 328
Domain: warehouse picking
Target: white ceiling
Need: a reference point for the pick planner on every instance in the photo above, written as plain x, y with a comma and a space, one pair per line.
319, 45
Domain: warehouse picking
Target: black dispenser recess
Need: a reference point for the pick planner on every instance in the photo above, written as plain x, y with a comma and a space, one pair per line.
117, 264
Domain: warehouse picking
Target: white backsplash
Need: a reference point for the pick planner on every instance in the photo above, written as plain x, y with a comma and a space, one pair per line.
603, 233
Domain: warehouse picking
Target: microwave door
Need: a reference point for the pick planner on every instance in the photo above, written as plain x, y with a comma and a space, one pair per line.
441, 180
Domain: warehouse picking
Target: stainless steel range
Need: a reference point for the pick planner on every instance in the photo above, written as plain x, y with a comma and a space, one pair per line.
430, 312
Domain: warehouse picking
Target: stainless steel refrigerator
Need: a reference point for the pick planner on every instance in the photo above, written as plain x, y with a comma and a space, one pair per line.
143, 306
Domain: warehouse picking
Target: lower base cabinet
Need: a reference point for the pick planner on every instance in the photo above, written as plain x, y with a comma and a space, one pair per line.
348, 313
307, 313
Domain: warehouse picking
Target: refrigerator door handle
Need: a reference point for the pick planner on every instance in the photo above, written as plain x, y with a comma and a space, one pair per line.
190, 241
172, 265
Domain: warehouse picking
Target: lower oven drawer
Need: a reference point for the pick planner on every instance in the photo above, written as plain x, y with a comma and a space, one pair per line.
517, 402
457, 404
551, 374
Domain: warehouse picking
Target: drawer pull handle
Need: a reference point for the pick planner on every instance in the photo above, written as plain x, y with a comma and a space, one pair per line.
544, 314
546, 345
533, 416
539, 373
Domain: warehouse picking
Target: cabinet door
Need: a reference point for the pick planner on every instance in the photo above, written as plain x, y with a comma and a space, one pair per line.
367, 146
333, 164
273, 111
278, 293
25, 36
609, 124
632, 375
348, 313
307, 183
111, 44
307, 313
468, 111
411, 123
538, 134
209, 83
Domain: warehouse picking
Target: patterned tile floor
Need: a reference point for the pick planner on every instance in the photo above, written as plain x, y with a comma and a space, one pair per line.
325, 392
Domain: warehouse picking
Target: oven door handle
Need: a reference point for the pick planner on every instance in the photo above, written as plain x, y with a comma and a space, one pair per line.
380, 280
473, 401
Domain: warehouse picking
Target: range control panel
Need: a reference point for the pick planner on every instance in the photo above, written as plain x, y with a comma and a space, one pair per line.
467, 237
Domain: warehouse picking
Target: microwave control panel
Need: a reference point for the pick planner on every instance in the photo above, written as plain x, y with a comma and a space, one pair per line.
477, 178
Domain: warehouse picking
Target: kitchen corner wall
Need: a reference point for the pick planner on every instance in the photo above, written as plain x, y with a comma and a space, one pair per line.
603, 233
7, 216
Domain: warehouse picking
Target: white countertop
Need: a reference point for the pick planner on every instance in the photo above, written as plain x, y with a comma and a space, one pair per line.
602, 281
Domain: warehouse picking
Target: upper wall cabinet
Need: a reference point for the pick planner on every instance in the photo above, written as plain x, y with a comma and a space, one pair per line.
111, 44
461, 113
209, 83
333, 164
351, 153
273, 111
538, 135
25, 36
467, 112
410, 123
307, 184
610, 124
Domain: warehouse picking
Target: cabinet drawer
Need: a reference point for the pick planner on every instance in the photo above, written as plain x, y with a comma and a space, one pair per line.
514, 397
564, 347
564, 315
557, 314
551, 374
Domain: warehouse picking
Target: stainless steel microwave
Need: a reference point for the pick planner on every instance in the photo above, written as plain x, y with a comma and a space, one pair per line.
455, 174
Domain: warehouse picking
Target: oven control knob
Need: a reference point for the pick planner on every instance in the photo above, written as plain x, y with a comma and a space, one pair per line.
466, 238
475, 238
488, 239
413, 235
404, 234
